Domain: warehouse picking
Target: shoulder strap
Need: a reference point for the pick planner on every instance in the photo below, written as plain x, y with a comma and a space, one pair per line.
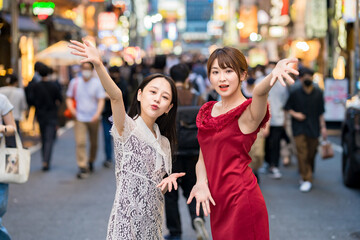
75, 86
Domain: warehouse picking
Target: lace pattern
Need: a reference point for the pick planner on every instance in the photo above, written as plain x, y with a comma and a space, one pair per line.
205, 121
141, 162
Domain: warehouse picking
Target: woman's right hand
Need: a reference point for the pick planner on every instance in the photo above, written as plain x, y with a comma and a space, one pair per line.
86, 50
203, 196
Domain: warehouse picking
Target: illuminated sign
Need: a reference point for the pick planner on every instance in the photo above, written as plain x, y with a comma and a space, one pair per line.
248, 16
221, 10
316, 18
342, 36
43, 9
349, 10
107, 21
279, 12
339, 70
215, 28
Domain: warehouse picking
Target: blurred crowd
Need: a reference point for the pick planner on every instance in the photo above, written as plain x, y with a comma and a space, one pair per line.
292, 132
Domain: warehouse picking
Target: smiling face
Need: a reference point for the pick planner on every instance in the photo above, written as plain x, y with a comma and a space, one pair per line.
155, 99
224, 80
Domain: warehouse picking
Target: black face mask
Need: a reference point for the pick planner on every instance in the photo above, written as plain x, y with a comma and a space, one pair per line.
308, 82
250, 81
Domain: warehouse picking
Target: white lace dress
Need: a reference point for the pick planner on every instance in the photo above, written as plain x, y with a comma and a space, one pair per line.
141, 163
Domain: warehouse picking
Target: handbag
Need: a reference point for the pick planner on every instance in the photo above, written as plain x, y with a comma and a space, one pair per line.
67, 112
327, 150
14, 162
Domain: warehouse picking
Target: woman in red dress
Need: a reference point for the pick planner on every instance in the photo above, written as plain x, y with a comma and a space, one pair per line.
227, 130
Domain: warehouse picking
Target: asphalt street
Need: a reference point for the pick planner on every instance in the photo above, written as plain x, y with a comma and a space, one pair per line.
57, 206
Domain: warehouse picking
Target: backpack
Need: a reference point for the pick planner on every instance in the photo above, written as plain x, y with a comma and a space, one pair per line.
187, 143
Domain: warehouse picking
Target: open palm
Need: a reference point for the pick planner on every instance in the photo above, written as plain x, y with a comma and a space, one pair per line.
282, 70
86, 50
203, 197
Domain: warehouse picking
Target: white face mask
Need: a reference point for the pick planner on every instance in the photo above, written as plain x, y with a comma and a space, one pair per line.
86, 74
258, 74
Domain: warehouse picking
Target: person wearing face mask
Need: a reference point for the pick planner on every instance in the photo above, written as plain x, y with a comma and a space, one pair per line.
114, 73
248, 85
306, 108
89, 95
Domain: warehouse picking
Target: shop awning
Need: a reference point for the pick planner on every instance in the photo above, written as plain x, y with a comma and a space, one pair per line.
58, 54
25, 23
63, 24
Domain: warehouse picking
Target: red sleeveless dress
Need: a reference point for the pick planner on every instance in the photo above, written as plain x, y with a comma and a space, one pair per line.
240, 212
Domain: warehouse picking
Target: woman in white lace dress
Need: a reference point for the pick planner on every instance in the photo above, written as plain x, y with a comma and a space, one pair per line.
142, 151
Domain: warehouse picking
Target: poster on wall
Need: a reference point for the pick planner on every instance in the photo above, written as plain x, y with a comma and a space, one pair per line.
335, 95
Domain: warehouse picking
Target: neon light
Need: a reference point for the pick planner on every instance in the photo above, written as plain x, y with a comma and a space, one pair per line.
43, 9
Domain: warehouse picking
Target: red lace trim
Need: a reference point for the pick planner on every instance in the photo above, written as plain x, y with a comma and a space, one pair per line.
205, 121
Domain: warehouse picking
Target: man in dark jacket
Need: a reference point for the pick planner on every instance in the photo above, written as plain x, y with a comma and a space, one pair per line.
306, 107
185, 157
46, 99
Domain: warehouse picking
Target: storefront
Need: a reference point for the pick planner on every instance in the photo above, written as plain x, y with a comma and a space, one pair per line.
29, 32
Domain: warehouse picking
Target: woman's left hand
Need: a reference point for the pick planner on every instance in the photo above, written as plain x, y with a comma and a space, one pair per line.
170, 181
282, 70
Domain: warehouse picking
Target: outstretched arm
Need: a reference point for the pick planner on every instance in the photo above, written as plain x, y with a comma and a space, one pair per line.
201, 190
91, 54
257, 110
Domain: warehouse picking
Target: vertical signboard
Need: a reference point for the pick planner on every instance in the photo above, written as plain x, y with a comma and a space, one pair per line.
335, 95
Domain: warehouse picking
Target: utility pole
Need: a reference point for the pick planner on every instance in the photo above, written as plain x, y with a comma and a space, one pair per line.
14, 36
357, 53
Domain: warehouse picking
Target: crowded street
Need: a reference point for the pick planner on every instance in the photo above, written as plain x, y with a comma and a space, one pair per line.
55, 205
179, 119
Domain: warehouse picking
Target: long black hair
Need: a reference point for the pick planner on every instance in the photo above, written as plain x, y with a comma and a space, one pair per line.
166, 122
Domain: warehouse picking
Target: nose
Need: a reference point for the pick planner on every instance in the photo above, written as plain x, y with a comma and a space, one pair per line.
157, 98
222, 76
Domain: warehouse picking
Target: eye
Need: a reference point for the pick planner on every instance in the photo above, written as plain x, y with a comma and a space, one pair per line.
229, 71
166, 98
152, 91
214, 72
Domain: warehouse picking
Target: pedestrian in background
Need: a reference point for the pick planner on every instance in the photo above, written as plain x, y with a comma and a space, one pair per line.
227, 130
36, 78
185, 158
114, 73
142, 150
7, 128
277, 99
16, 96
89, 96
46, 99
306, 107
257, 151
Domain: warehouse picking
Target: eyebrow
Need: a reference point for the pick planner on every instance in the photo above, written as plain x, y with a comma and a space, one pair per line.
221, 68
158, 89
